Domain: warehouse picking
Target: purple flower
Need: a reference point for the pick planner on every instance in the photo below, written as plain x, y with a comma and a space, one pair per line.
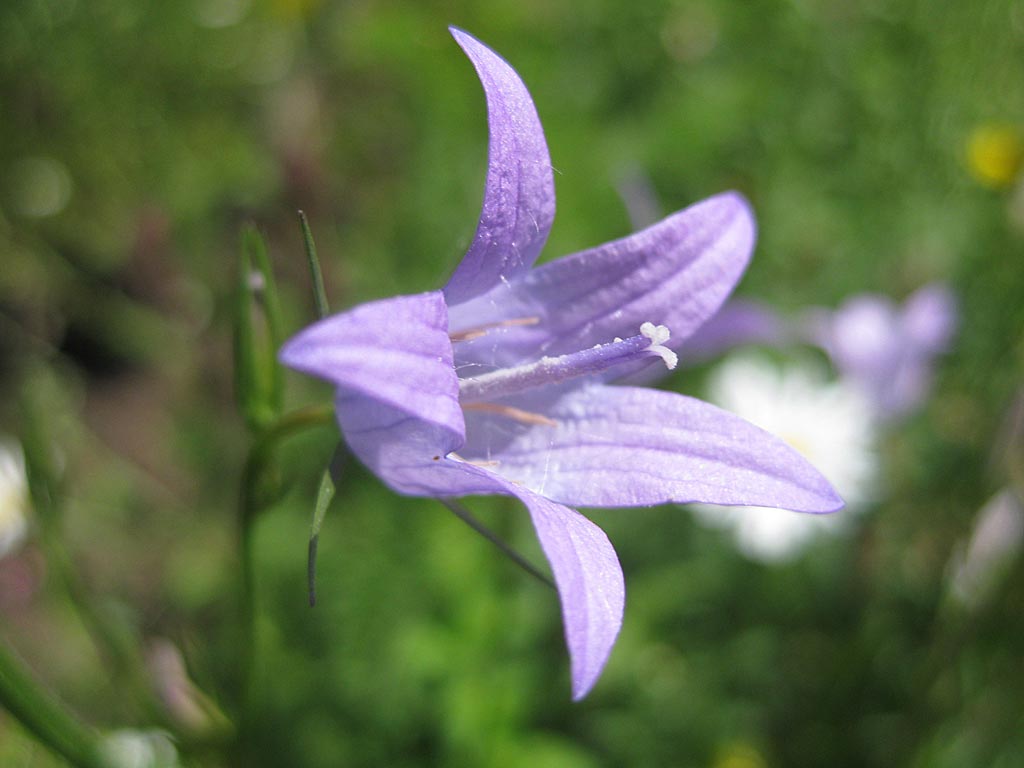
885, 350
497, 384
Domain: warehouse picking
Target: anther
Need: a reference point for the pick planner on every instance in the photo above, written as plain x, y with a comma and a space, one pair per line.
481, 330
659, 334
516, 414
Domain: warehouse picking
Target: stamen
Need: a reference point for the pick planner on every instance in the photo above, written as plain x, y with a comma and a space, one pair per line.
481, 330
494, 385
517, 414
659, 334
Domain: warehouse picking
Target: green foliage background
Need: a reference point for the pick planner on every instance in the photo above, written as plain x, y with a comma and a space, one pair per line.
136, 137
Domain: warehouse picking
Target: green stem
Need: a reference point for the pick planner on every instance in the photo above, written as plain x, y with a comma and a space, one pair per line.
44, 717
250, 503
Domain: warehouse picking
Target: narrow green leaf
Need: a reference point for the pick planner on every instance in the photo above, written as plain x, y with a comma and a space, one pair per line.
319, 294
323, 500
328, 486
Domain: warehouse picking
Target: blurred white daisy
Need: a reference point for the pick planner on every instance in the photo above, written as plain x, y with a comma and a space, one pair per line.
829, 422
14, 503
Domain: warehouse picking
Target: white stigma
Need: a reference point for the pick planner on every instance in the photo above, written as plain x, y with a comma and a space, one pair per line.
659, 334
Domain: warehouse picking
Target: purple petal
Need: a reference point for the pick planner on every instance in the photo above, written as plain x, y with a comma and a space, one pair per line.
519, 196
395, 352
676, 273
590, 585
626, 446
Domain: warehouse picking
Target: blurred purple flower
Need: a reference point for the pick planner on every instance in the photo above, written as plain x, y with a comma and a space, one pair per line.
497, 384
885, 350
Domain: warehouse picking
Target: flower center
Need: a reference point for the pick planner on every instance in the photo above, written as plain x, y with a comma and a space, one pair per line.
553, 370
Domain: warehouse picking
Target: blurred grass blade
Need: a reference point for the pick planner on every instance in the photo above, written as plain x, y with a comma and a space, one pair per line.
328, 486
319, 294
41, 470
259, 378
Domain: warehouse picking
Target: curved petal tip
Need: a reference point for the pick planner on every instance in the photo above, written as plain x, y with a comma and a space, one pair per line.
590, 585
519, 194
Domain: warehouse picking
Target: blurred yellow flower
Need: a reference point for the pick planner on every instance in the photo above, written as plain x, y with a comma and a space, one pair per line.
739, 755
995, 154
